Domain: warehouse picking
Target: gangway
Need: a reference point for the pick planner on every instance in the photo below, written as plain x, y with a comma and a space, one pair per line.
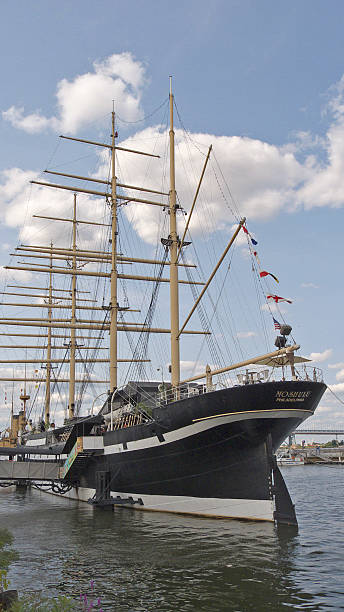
30, 470
20, 465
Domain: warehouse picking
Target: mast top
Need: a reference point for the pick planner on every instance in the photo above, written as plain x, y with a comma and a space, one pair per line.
171, 85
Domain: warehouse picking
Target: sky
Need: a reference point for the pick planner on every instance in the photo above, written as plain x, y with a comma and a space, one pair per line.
262, 81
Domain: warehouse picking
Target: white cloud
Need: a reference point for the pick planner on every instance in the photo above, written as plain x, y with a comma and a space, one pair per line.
247, 334
19, 201
324, 186
340, 375
241, 240
264, 178
338, 388
326, 415
88, 97
14, 275
309, 286
14, 181
191, 367
31, 123
336, 366
123, 66
274, 308
318, 357
305, 141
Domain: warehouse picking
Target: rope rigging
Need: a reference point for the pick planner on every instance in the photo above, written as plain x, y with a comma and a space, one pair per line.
89, 369
142, 344
165, 101
128, 223
259, 280
214, 349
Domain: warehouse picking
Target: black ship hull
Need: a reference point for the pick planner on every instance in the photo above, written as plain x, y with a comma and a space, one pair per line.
210, 455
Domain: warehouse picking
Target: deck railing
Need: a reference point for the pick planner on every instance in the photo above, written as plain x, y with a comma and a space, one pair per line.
129, 420
301, 373
168, 395
131, 414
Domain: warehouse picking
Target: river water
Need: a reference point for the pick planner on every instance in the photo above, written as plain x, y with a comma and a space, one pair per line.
150, 562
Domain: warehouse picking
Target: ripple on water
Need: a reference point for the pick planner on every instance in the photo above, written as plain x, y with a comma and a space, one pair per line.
152, 562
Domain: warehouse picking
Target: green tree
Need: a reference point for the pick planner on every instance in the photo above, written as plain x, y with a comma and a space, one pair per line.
7, 555
37, 603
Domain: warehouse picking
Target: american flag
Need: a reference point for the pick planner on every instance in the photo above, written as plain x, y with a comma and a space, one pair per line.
276, 324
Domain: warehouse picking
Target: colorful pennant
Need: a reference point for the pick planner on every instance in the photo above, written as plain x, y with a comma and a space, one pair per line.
278, 298
249, 235
264, 273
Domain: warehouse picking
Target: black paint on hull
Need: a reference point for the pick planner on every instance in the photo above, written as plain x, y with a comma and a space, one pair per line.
228, 461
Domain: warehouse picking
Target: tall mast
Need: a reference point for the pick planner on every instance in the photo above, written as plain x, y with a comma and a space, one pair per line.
48, 371
24, 397
71, 403
174, 297
113, 277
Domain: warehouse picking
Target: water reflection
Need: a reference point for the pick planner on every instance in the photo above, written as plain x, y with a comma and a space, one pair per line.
153, 562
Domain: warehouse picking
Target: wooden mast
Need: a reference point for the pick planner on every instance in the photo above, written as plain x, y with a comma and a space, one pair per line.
71, 402
73, 256
113, 277
48, 365
24, 397
174, 294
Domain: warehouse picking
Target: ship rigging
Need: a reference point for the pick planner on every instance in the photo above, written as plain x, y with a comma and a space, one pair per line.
173, 445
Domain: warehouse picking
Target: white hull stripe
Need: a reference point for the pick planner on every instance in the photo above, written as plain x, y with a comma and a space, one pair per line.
200, 426
253, 509
215, 416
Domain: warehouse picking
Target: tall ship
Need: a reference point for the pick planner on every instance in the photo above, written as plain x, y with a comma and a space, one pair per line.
201, 444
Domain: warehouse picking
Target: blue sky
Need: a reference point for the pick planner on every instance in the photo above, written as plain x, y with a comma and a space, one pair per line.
267, 72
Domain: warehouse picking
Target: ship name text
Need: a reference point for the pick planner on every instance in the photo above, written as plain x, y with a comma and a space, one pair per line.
292, 396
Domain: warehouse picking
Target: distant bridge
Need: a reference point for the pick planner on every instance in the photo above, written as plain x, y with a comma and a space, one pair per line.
318, 429
319, 432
